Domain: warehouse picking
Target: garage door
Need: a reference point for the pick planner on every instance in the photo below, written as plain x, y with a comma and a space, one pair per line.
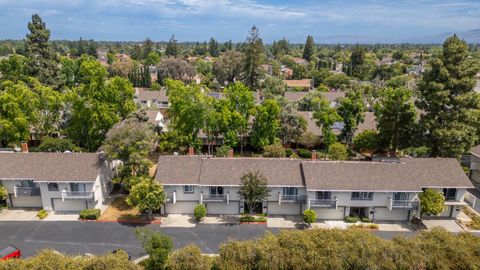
181, 207
283, 209
26, 201
69, 205
323, 213
213, 208
395, 214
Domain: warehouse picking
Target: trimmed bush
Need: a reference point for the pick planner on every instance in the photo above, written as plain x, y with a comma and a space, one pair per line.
351, 219
200, 211
248, 218
274, 150
289, 152
42, 214
90, 214
365, 219
309, 216
304, 153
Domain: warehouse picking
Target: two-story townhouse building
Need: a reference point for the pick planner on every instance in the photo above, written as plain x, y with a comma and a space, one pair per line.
378, 190
62, 182
151, 99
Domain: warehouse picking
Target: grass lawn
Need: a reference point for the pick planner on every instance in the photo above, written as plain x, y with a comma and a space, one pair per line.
120, 210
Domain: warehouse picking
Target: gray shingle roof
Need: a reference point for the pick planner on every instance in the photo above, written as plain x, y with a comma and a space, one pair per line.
55, 167
144, 94
175, 170
476, 150
412, 174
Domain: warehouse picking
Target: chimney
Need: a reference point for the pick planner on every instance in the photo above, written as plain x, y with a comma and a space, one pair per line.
191, 151
314, 154
230, 153
24, 147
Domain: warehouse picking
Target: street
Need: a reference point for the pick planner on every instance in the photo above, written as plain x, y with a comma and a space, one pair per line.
74, 237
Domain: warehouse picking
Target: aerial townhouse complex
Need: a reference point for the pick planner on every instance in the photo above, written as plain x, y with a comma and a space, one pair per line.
61, 182
380, 190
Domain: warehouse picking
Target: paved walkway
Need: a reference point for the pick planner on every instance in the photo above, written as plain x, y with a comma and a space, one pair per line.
19, 215
450, 225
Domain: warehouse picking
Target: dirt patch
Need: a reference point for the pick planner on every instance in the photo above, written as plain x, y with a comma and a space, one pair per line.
119, 210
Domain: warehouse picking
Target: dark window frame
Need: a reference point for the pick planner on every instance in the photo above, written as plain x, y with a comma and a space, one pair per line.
185, 191
362, 196
54, 185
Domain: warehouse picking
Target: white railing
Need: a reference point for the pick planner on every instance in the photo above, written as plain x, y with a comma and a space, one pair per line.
402, 204
323, 203
77, 195
213, 197
26, 191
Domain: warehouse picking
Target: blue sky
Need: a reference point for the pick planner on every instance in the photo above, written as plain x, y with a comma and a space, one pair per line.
192, 20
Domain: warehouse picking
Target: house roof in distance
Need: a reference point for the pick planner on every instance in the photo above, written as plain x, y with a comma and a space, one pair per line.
410, 174
54, 167
297, 83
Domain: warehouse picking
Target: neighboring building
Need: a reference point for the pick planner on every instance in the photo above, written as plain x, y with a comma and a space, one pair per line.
379, 190
61, 182
475, 166
287, 72
151, 99
158, 119
299, 61
304, 85
332, 96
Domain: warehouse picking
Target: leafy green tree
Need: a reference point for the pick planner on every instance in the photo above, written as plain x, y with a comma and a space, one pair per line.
432, 202
451, 106
280, 48
3, 193
157, 245
266, 124
50, 144
337, 151
152, 59
325, 117
309, 140
147, 48
309, 216
228, 67
172, 47
367, 140
241, 105
172, 140
47, 109
358, 66
253, 189
252, 71
292, 126
146, 195
337, 81
309, 49
176, 69
13, 68
395, 115
43, 62
274, 150
351, 109
188, 258
222, 151
213, 47
273, 86
131, 142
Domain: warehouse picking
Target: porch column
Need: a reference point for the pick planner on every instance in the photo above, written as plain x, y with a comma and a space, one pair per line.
228, 197
174, 197
264, 206
389, 203
201, 197
279, 198
15, 191
64, 192
308, 202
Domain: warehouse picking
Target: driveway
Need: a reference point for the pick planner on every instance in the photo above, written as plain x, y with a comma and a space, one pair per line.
19, 214
449, 224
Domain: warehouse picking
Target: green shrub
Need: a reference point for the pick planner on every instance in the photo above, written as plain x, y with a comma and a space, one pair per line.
309, 216
200, 211
351, 219
42, 214
274, 150
248, 218
222, 151
289, 152
90, 214
365, 219
304, 153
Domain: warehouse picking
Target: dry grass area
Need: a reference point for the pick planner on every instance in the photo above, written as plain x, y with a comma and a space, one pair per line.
120, 210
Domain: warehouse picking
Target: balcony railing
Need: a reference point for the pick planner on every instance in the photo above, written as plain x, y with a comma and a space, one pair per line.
403, 204
323, 203
293, 198
214, 197
26, 191
77, 194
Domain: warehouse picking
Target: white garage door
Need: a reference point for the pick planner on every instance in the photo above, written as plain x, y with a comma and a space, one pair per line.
181, 207
326, 213
27, 201
69, 205
283, 209
395, 214
214, 208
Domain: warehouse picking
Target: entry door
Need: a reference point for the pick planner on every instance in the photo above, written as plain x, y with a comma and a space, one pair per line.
216, 190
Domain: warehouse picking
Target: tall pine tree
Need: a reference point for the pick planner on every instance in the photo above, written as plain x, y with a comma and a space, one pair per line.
172, 47
213, 48
446, 95
309, 49
252, 71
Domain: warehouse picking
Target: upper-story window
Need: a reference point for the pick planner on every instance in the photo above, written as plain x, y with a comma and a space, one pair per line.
52, 186
323, 195
216, 190
400, 196
27, 183
368, 196
450, 194
77, 187
290, 191
187, 189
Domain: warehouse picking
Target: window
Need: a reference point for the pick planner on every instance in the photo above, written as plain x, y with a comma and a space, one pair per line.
292, 191
324, 195
216, 190
450, 194
52, 186
367, 196
27, 183
400, 196
77, 187
187, 189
